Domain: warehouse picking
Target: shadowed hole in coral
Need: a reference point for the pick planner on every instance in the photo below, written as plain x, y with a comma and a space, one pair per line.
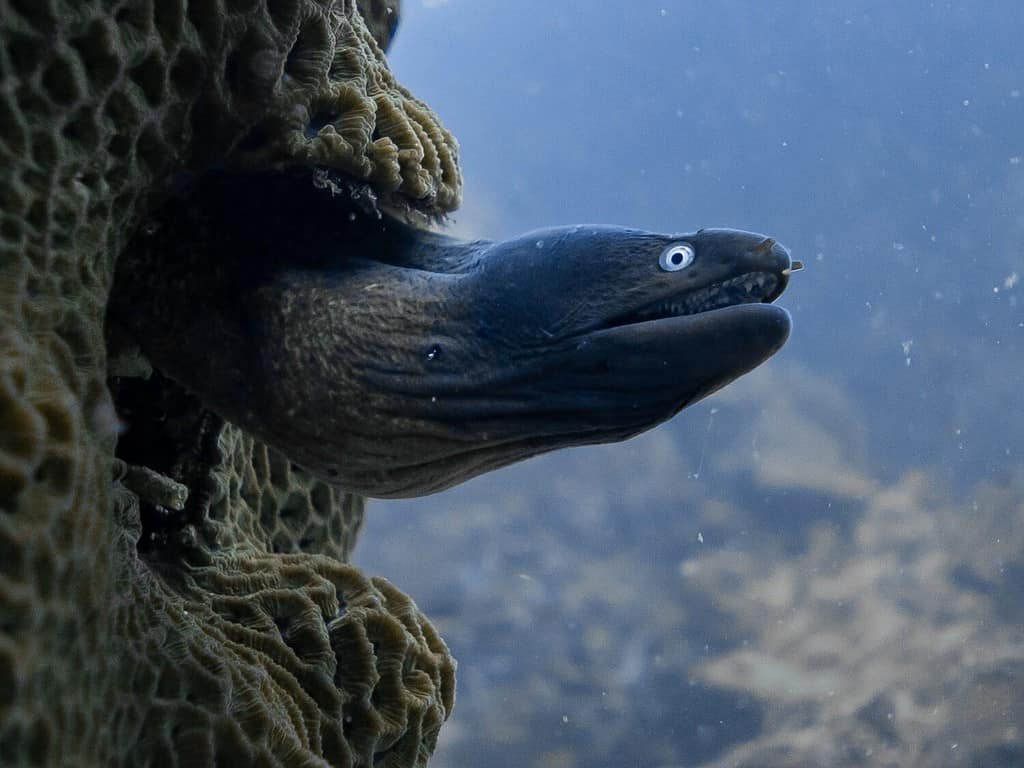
12, 485
135, 16
39, 13
96, 50
37, 742
44, 567
150, 149
60, 82
187, 73
254, 140
167, 19
233, 70
168, 685
25, 53
11, 556
10, 743
122, 112
83, 130
208, 21
294, 513
149, 76
320, 120
8, 680
12, 133
279, 472
119, 145
167, 430
56, 472
44, 149
22, 431
320, 496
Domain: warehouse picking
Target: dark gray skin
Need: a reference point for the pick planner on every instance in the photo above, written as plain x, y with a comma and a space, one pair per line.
395, 362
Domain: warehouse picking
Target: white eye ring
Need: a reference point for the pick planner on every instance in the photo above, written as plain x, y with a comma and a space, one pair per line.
676, 257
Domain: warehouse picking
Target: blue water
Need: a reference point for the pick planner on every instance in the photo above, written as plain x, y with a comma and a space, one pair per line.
883, 144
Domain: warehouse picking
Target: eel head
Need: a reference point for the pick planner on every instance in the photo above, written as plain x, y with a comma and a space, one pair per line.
581, 335
397, 362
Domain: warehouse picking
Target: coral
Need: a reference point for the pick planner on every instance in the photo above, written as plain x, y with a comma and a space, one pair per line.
897, 645
133, 632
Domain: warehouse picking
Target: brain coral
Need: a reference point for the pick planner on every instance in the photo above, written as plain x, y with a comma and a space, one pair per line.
192, 609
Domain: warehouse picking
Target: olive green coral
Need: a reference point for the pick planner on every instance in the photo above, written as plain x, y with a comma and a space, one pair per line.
214, 644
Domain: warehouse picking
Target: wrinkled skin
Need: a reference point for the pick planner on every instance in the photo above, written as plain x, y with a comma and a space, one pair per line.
397, 362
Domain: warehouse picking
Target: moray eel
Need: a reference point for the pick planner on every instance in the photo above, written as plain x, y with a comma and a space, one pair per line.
398, 362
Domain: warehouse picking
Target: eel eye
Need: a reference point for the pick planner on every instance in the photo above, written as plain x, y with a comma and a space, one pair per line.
676, 257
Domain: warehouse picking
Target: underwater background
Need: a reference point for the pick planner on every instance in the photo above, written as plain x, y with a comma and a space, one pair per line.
822, 564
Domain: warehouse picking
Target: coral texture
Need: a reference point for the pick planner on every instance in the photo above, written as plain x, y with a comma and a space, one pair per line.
131, 632
898, 644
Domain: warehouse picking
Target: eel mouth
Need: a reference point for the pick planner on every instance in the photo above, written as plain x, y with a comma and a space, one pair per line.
760, 287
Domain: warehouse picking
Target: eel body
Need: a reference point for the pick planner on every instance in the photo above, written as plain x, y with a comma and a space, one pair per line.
398, 362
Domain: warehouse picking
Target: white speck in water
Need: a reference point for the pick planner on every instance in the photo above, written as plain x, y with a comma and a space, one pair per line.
1011, 280
897, 246
700, 537
907, 345
1015, 160
565, 718
433, 353
540, 244
785, 143
663, 12
433, 399
967, 102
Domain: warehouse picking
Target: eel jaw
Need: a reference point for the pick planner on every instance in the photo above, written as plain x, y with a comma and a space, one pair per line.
750, 288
